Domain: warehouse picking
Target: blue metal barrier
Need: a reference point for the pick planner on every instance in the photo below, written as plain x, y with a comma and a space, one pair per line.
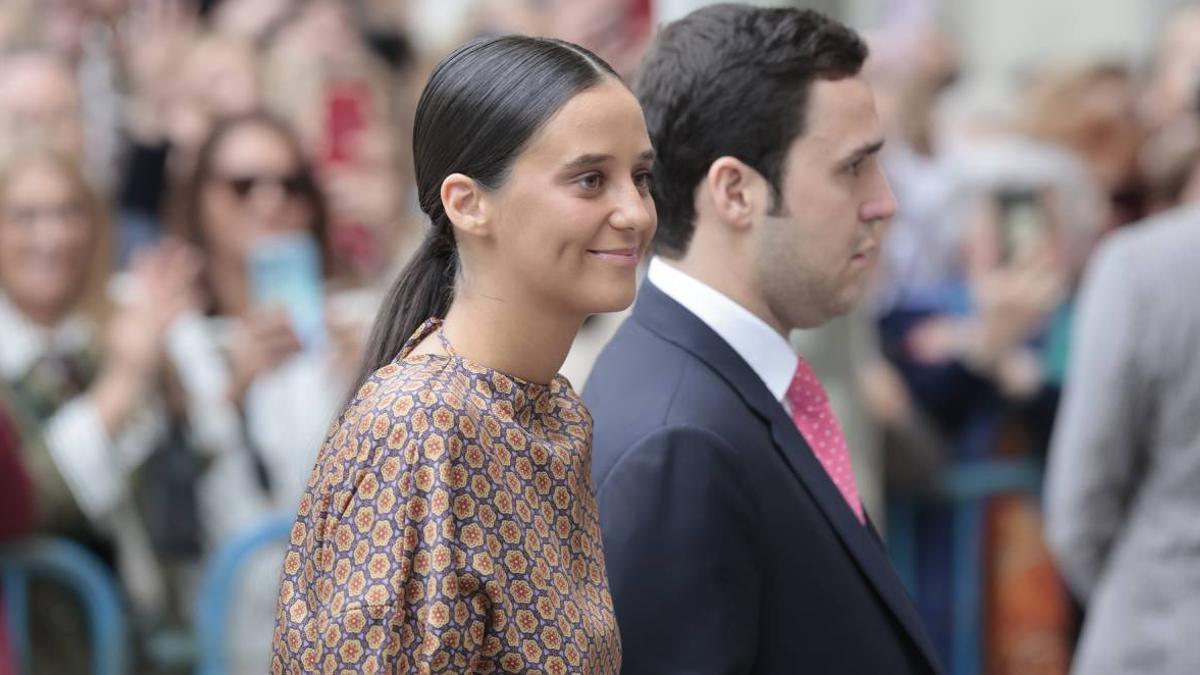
965, 487
216, 592
74, 567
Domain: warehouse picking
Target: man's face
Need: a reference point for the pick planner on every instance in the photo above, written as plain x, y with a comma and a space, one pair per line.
39, 95
814, 253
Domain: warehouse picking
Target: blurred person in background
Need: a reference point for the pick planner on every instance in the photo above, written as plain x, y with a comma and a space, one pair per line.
994, 227
617, 30
1120, 491
1169, 110
190, 79
86, 35
80, 374
350, 99
251, 186
1090, 112
40, 98
981, 350
17, 20
1170, 93
270, 360
1170, 161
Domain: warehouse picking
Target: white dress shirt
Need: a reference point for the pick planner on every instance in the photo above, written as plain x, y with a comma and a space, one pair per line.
767, 352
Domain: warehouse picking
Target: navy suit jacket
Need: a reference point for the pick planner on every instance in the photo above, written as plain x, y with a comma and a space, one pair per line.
729, 549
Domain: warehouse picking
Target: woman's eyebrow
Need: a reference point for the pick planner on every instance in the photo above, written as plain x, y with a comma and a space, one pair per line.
586, 160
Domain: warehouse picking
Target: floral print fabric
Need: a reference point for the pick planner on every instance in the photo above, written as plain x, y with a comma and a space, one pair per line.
449, 526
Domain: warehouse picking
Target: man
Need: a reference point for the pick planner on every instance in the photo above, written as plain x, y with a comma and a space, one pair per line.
734, 536
39, 95
1125, 459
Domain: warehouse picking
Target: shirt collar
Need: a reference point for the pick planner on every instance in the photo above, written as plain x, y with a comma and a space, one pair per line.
25, 341
766, 352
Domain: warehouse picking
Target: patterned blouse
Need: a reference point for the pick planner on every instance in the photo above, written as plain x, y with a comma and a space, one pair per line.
449, 526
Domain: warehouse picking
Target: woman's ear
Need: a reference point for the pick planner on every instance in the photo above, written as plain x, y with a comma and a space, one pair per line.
736, 192
464, 202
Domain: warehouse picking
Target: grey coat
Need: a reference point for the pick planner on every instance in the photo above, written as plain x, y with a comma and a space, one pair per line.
1123, 488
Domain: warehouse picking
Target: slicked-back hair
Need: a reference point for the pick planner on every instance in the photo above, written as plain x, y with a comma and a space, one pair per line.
482, 105
732, 80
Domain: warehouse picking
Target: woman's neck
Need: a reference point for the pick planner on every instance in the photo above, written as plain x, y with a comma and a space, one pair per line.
523, 341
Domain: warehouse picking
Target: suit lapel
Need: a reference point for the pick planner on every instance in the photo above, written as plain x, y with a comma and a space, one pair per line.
671, 321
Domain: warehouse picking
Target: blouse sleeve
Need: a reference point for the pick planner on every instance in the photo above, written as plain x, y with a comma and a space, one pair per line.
388, 569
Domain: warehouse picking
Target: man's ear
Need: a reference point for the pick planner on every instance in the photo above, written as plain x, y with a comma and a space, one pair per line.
465, 203
737, 192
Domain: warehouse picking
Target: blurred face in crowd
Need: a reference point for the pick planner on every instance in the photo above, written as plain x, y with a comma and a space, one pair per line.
568, 227
46, 237
814, 253
247, 18
1172, 91
255, 188
39, 95
219, 78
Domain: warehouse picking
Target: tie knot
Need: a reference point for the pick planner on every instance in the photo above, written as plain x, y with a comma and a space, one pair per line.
805, 392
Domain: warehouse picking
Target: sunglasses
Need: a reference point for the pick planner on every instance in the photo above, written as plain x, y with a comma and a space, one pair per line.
293, 185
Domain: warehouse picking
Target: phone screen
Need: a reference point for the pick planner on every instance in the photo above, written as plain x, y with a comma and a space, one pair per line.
285, 271
1022, 222
346, 104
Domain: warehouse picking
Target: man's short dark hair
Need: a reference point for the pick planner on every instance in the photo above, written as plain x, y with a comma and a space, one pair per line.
732, 80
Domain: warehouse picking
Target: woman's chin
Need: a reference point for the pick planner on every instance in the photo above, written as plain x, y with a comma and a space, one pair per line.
613, 300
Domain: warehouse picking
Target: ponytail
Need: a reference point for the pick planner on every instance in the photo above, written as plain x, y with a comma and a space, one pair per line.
423, 291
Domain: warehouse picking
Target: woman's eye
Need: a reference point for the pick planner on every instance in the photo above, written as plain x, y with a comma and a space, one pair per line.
644, 182
590, 182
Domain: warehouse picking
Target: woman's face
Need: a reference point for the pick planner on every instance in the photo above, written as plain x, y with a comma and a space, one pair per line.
255, 189
575, 216
45, 241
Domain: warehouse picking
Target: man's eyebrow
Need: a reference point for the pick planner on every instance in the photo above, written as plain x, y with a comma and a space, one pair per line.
863, 151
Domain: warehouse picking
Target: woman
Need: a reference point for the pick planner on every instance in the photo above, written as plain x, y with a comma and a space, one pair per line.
264, 371
450, 525
263, 390
80, 378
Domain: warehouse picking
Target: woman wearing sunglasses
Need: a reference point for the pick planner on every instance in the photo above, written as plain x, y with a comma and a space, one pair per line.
263, 372
450, 525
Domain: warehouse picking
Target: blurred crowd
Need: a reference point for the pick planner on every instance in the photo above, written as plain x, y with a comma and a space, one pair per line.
201, 203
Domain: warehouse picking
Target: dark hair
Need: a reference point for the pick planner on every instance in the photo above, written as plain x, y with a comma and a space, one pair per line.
481, 106
732, 80
188, 217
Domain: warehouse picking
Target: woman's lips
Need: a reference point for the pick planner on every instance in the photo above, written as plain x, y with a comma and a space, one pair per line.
624, 257
865, 254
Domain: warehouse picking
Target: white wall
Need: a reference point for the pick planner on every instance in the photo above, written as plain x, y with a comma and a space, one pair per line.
1001, 38
669, 10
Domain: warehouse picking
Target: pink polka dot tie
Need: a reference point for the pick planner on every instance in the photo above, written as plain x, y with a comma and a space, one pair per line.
814, 418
